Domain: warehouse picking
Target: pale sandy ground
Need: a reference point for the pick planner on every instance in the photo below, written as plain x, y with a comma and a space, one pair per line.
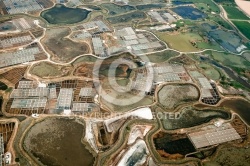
244, 5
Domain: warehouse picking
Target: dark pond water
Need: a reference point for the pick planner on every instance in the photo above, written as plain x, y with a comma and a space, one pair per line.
181, 3
189, 12
182, 146
241, 107
61, 14
3, 86
150, 6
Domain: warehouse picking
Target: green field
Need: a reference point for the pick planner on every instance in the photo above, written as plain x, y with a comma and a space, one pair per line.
247, 55
161, 56
117, 9
220, 21
244, 27
181, 42
210, 45
235, 13
226, 156
209, 71
125, 18
231, 60
86, 58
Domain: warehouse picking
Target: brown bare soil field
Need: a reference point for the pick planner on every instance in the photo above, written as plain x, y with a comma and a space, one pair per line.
62, 48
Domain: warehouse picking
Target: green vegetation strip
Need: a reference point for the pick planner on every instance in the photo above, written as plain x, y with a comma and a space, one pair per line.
235, 13
244, 27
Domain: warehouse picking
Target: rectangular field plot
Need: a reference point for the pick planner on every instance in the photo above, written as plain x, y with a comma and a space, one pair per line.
21, 6
21, 56
8, 41
214, 136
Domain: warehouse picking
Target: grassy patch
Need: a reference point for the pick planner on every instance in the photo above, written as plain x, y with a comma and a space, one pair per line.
180, 42
161, 56
244, 27
147, 100
86, 58
210, 45
231, 60
220, 21
136, 15
211, 5
62, 48
247, 55
117, 9
45, 69
209, 71
225, 156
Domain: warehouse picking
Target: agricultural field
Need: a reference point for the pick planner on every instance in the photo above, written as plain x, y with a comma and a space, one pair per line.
126, 18
150, 6
122, 96
190, 117
84, 59
180, 42
125, 82
171, 96
231, 60
224, 156
224, 1
244, 27
56, 39
209, 45
210, 71
49, 70
235, 13
136, 2
230, 41
206, 4
220, 21
246, 55
111, 98
161, 56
